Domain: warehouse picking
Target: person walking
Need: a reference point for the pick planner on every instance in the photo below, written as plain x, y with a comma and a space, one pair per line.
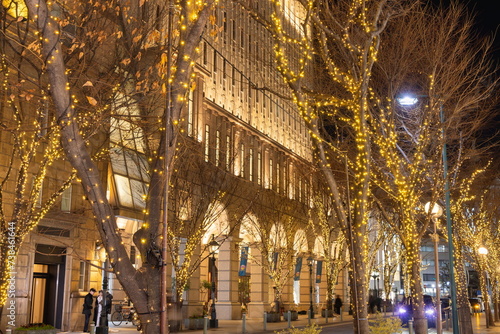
87, 309
338, 305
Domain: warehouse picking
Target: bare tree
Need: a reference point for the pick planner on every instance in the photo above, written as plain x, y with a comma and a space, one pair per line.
29, 188
155, 77
272, 228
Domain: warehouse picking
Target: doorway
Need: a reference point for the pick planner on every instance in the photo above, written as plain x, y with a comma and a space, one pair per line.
48, 285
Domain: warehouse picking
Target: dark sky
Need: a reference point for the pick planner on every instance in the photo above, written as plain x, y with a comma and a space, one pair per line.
487, 18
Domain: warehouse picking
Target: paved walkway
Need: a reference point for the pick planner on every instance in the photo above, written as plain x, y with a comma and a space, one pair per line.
334, 326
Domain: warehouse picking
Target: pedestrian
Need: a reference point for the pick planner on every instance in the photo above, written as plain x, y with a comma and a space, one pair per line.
87, 309
338, 305
98, 309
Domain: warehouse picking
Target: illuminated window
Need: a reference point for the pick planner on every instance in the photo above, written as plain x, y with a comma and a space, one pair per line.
15, 8
217, 148
271, 173
242, 160
66, 200
207, 142
259, 168
228, 153
250, 162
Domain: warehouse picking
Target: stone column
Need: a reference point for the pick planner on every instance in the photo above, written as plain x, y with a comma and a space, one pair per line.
227, 304
259, 286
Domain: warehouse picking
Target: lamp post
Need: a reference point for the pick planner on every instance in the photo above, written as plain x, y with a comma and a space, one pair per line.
213, 247
435, 213
310, 263
483, 251
375, 289
410, 101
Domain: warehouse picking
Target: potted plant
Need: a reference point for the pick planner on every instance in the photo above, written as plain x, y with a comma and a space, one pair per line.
294, 315
194, 322
37, 328
273, 316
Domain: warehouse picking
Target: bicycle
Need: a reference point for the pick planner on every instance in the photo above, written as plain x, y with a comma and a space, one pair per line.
124, 313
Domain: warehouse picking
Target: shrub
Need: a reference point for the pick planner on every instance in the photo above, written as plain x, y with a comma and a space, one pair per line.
32, 327
382, 325
313, 329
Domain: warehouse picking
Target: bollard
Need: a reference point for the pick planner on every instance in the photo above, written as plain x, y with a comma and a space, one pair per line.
244, 323
309, 317
410, 326
326, 315
341, 314
289, 319
265, 321
8, 331
205, 325
92, 328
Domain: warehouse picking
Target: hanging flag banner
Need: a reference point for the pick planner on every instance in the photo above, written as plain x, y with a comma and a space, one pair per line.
243, 261
319, 271
298, 268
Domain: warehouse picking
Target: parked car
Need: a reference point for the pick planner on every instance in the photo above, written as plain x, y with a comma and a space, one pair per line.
476, 305
405, 311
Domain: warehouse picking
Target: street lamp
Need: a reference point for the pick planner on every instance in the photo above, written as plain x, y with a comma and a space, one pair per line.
483, 251
435, 213
409, 101
213, 247
310, 262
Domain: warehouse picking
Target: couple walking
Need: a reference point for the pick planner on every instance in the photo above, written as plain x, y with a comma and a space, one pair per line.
100, 303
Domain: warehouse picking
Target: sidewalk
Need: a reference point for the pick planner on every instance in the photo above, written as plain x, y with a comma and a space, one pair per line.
336, 326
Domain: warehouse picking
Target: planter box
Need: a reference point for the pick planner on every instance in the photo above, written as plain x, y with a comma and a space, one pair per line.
195, 323
37, 331
331, 314
273, 317
293, 314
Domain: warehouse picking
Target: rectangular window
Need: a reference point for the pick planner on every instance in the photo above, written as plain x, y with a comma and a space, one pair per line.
207, 142
205, 54
428, 277
217, 148
270, 180
66, 200
250, 163
190, 114
242, 160
442, 249
82, 276
259, 168
278, 177
215, 61
426, 248
228, 153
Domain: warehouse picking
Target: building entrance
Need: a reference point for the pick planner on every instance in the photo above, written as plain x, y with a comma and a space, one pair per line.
48, 285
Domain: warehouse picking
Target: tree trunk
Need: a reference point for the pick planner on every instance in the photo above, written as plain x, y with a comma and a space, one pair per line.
359, 286
464, 318
419, 319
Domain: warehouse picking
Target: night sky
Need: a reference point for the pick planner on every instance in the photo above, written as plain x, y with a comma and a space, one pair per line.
487, 18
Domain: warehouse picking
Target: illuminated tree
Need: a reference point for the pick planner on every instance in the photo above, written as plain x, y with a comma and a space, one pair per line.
272, 228
325, 53
31, 183
203, 197
426, 53
324, 224
146, 54
474, 212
